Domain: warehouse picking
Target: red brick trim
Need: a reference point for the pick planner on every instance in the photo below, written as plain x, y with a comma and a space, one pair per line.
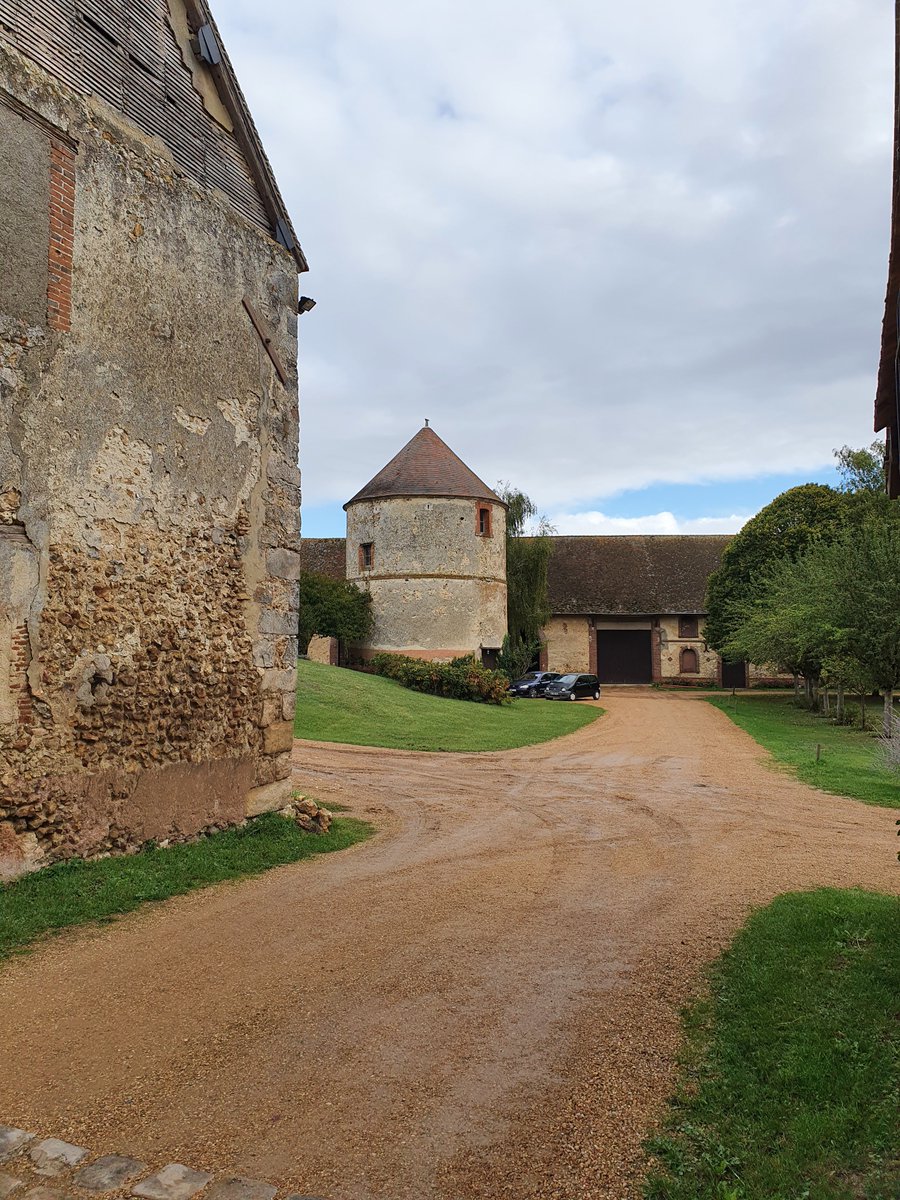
488, 530
655, 651
20, 661
62, 232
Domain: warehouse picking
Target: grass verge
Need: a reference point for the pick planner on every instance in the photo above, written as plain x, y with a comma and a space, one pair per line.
75, 892
849, 761
791, 1073
337, 705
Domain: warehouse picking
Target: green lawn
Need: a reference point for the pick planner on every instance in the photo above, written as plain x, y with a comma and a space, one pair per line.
850, 761
74, 892
790, 1079
337, 705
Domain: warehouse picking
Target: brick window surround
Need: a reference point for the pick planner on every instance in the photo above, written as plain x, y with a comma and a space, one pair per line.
366, 556
62, 229
484, 525
688, 627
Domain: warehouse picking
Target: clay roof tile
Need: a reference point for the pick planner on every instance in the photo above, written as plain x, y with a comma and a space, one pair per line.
426, 466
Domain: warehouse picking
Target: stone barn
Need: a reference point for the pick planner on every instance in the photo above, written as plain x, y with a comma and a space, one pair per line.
149, 494
632, 609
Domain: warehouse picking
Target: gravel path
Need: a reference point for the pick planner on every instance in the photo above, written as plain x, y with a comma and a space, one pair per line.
480, 1002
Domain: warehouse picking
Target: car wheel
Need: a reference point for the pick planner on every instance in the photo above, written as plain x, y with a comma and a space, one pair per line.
571, 695
597, 695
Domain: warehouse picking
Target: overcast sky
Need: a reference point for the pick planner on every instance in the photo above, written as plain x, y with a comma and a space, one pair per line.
630, 257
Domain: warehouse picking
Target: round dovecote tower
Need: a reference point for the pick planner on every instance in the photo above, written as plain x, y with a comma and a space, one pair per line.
427, 538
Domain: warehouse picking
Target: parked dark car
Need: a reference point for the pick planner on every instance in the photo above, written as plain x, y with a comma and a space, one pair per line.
573, 687
533, 683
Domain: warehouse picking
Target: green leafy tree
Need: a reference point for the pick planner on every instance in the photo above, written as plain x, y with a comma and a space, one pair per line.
862, 470
332, 608
782, 530
857, 581
528, 550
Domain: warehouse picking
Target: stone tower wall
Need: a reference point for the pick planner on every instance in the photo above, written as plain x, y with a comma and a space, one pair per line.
438, 588
149, 496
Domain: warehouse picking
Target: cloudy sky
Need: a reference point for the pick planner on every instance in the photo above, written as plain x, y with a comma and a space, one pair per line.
629, 256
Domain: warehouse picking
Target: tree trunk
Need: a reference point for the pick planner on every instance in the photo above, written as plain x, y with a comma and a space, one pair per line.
839, 704
887, 727
796, 688
808, 688
826, 710
862, 710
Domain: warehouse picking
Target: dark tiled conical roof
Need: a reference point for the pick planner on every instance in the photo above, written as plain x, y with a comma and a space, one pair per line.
426, 466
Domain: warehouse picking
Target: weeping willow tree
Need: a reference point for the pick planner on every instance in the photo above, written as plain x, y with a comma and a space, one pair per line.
528, 550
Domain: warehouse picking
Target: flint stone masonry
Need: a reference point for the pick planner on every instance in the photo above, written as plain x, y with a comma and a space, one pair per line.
12, 1141
52, 1157
149, 496
173, 1182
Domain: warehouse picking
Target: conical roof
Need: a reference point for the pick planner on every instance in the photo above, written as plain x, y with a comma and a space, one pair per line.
426, 466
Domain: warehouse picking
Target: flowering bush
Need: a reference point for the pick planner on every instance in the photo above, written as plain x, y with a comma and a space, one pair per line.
461, 679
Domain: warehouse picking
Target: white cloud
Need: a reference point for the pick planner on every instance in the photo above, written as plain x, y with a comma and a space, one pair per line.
599, 245
661, 522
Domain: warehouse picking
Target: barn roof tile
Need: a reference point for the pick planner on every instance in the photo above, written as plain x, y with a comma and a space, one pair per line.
646, 574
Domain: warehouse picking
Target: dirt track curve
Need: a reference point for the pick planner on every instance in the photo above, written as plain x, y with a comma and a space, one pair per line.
480, 1002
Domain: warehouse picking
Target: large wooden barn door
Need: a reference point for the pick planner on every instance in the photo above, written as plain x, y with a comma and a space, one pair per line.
624, 656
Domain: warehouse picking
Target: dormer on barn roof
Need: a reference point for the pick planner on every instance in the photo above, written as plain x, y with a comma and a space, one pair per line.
426, 466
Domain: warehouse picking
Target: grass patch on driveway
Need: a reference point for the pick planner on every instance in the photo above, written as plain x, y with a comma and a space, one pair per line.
338, 705
75, 892
791, 1076
850, 762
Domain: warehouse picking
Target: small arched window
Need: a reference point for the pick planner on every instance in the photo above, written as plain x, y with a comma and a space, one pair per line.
690, 662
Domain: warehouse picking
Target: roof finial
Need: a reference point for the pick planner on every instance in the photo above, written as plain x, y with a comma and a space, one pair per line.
426, 423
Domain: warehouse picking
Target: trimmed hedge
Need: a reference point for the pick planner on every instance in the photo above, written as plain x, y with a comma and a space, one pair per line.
460, 679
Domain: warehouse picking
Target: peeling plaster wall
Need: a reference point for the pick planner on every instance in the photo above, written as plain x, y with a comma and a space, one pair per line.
671, 645
149, 502
438, 588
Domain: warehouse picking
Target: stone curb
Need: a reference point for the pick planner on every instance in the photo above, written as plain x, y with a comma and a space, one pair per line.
27, 1161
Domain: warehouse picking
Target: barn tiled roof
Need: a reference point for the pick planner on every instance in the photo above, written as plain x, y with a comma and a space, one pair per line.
647, 574
605, 575
426, 466
324, 556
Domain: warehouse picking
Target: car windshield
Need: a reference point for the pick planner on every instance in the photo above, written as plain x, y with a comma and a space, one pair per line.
567, 679
530, 677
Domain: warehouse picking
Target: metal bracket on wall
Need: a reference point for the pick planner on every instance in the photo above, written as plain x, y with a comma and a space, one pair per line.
266, 338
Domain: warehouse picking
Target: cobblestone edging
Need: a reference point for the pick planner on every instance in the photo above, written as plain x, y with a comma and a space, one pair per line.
33, 1168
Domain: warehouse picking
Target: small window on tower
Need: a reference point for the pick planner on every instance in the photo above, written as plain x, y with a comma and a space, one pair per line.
484, 521
366, 556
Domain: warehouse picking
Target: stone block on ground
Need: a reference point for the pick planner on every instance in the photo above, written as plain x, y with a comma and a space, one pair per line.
8, 1185
42, 1192
241, 1189
268, 798
53, 1157
12, 1140
109, 1173
173, 1182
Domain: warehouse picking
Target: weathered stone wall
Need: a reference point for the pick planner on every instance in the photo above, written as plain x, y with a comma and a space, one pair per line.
323, 650
438, 588
568, 644
149, 497
670, 646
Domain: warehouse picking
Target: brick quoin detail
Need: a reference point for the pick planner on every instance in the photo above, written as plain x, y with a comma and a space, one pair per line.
21, 659
62, 228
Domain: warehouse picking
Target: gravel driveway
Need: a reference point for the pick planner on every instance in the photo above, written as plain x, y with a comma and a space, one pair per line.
482, 1001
